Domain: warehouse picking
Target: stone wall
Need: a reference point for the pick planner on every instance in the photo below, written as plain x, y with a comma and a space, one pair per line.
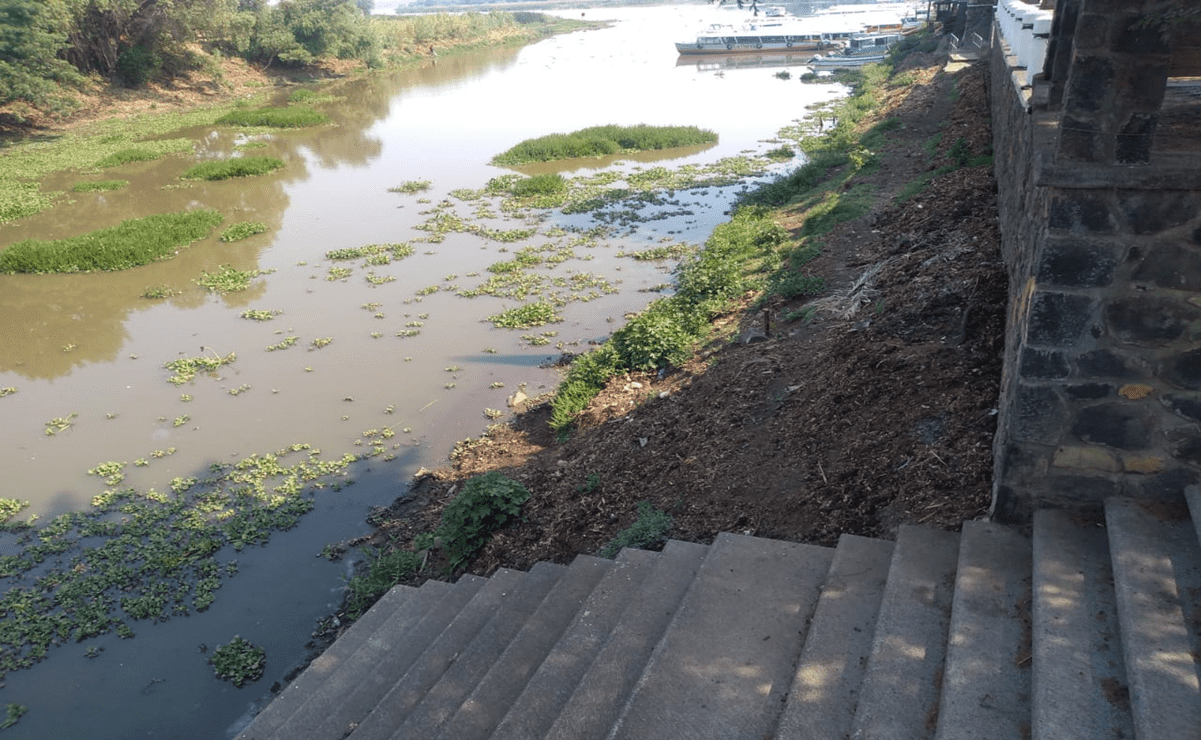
1101, 392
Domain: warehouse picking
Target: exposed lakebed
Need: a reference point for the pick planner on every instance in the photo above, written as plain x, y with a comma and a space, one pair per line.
391, 360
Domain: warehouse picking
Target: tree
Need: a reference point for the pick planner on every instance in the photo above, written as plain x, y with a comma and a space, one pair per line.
33, 36
296, 32
366, 6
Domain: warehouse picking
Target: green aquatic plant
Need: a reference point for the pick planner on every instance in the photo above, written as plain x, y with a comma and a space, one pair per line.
186, 369
126, 156
410, 187
12, 714
598, 141
60, 424
226, 279
244, 230
159, 291
283, 344
255, 314
290, 117
338, 273
321, 342
239, 662
132, 243
224, 169
530, 315
7, 391
98, 186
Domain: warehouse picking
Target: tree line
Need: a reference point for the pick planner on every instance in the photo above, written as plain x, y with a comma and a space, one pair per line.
50, 46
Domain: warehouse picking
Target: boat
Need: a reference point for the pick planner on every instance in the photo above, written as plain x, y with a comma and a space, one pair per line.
860, 49
777, 31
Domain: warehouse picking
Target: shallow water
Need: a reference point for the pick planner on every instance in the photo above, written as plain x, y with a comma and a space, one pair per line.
92, 346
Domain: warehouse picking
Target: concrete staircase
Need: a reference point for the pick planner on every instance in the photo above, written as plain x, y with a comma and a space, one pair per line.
1082, 629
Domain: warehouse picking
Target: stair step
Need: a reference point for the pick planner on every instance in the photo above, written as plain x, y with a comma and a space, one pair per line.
1157, 570
419, 710
826, 687
899, 698
355, 688
536, 674
727, 659
503, 589
1079, 678
598, 698
986, 682
402, 599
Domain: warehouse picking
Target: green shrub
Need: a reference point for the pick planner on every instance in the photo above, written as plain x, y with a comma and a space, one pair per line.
653, 339
224, 169
137, 64
134, 242
290, 117
487, 503
648, 531
586, 377
97, 186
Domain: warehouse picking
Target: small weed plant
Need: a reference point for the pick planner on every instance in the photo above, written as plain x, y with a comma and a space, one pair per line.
290, 117
648, 531
225, 169
487, 503
98, 186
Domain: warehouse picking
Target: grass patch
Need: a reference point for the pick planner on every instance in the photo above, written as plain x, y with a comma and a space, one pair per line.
290, 117
225, 169
530, 315
598, 141
244, 230
648, 531
134, 242
99, 186
411, 186
127, 156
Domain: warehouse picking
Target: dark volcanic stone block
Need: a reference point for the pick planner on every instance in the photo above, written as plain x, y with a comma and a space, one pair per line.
1076, 263
1058, 319
1117, 425
1149, 321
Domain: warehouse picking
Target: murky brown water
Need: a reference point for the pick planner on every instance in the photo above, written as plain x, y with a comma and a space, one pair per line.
90, 345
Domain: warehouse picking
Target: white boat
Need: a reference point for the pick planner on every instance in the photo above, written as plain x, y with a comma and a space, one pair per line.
777, 31
859, 50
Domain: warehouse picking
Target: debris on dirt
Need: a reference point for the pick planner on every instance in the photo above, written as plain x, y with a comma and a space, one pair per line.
878, 412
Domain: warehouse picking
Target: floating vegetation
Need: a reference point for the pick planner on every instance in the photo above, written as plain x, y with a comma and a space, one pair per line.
70, 347
374, 306
59, 424
665, 252
392, 251
374, 279
187, 368
181, 420
321, 342
290, 117
255, 314
7, 391
133, 242
411, 186
228, 280
243, 230
10, 507
405, 333
527, 316
597, 141
338, 273
310, 97
126, 156
225, 169
239, 390
287, 342
12, 714
149, 555
239, 661
112, 472
429, 290
493, 413
159, 291
534, 340
185, 397
99, 186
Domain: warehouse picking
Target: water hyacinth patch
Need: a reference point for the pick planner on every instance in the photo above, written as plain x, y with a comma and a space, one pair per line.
149, 555
527, 316
244, 230
133, 242
98, 186
187, 368
290, 117
225, 169
239, 662
228, 280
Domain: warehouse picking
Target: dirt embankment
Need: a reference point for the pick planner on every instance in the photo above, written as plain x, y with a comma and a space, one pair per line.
878, 412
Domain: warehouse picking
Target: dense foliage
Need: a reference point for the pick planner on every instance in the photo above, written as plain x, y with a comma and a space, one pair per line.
48, 44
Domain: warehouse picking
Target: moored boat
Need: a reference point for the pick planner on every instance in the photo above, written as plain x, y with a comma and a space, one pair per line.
859, 50
777, 31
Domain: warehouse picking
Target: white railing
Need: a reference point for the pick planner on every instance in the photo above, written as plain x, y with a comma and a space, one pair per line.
1026, 29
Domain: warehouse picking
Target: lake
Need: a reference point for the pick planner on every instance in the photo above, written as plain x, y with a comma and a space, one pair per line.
389, 345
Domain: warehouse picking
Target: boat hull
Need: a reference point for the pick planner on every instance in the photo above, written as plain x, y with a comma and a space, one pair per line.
748, 45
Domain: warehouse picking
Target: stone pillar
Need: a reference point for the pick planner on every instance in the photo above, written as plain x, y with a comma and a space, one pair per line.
1115, 85
1101, 393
